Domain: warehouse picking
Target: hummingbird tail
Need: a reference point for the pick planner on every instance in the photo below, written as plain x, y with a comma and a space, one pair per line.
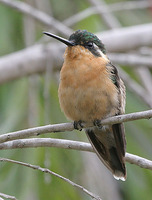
110, 149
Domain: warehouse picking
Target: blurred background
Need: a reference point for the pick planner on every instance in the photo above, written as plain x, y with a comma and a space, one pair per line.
29, 76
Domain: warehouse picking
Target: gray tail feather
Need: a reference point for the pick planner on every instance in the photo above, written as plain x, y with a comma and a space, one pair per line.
111, 154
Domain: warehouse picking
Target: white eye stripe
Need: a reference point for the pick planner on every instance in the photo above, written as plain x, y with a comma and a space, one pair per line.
95, 46
100, 52
103, 55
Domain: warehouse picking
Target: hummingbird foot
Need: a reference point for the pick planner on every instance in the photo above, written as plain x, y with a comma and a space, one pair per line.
78, 125
97, 123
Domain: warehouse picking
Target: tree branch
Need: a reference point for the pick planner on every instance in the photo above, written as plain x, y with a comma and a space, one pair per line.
18, 65
115, 7
7, 196
109, 19
146, 80
38, 15
69, 126
45, 170
135, 87
128, 38
46, 142
131, 59
69, 144
137, 160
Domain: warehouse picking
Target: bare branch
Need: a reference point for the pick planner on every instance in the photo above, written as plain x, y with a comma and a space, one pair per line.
135, 87
36, 131
7, 196
129, 5
110, 20
18, 65
127, 117
146, 79
45, 170
68, 144
38, 15
69, 126
131, 59
127, 38
115, 7
137, 160
46, 142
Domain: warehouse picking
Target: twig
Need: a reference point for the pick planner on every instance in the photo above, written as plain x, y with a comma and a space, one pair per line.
129, 5
110, 20
7, 196
137, 160
38, 15
146, 79
17, 65
68, 144
131, 59
36, 131
129, 38
115, 7
135, 87
46, 142
69, 126
45, 170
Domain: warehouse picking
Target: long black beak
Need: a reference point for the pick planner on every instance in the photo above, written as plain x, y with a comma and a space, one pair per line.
67, 42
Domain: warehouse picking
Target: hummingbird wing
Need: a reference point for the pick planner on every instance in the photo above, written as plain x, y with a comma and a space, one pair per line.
109, 149
109, 142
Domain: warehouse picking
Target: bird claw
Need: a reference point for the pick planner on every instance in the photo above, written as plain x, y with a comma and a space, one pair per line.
78, 125
97, 123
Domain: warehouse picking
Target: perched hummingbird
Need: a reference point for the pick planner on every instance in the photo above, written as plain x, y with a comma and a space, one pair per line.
90, 90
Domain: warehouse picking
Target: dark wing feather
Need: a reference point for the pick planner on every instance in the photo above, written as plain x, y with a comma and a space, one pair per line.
107, 149
110, 145
119, 135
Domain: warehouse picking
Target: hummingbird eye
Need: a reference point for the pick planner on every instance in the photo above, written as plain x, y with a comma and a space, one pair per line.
89, 45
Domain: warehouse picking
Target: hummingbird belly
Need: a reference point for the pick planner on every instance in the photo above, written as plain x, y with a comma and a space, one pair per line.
87, 103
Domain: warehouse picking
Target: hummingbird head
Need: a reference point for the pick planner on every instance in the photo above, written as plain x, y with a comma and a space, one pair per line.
83, 38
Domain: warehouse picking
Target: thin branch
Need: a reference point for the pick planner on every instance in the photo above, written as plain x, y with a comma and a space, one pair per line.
131, 59
110, 20
137, 160
127, 117
7, 196
68, 144
18, 65
69, 126
45, 170
129, 5
36, 131
135, 87
38, 15
129, 38
46, 142
21, 62
115, 7
146, 79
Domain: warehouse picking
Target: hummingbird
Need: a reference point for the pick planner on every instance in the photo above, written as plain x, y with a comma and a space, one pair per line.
90, 90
